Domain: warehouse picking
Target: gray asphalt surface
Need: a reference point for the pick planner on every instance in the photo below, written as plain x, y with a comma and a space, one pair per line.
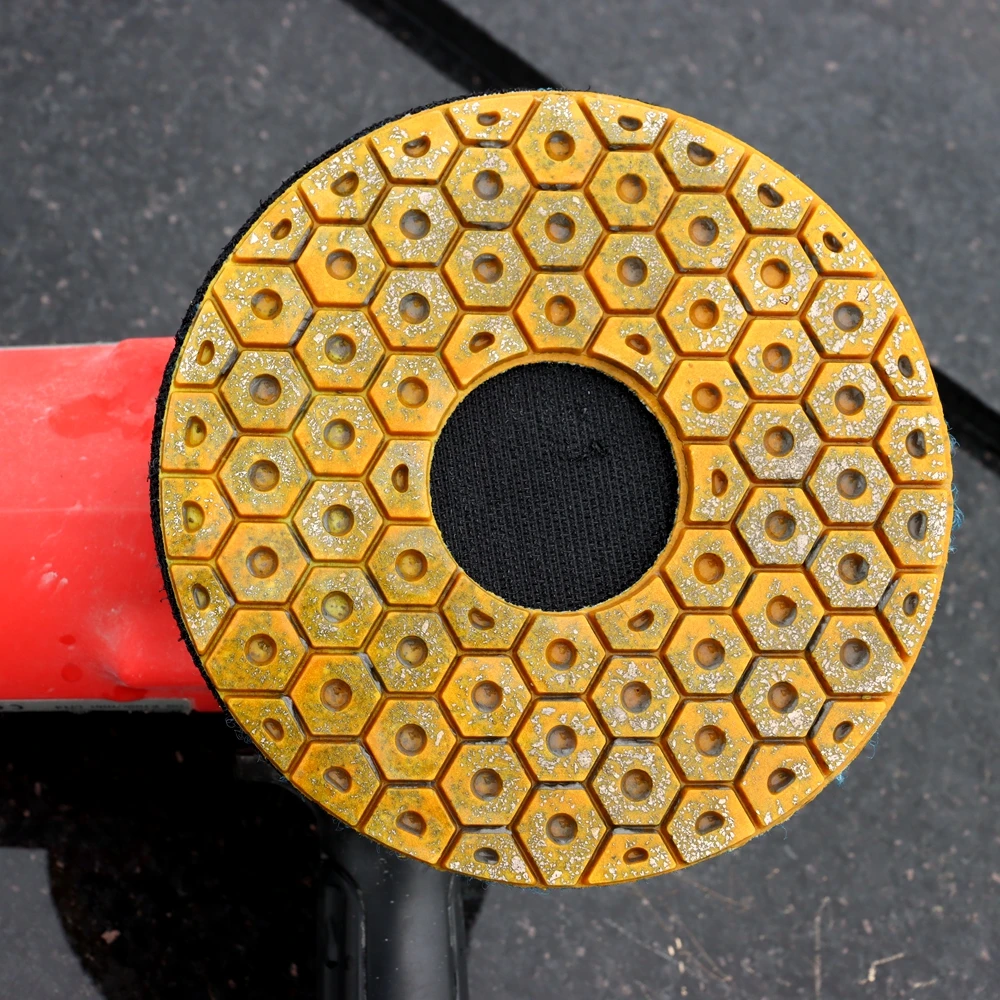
139, 136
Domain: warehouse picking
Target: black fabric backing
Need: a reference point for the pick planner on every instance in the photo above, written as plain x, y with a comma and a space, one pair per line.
553, 486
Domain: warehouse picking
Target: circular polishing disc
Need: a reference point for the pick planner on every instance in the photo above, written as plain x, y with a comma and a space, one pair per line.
294, 443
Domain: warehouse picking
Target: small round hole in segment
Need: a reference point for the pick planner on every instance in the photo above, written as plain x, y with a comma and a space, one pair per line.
281, 229
414, 308
632, 271
265, 304
559, 145
628, 123
832, 243
775, 273
777, 358
415, 224
561, 741
850, 400
699, 155
779, 526
488, 118
631, 189
487, 185
341, 265
417, 147
703, 230
345, 185
708, 822
560, 228
769, 197
561, 828
783, 697
779, 779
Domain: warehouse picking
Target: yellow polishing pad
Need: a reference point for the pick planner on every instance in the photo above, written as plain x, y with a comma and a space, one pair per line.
671, 723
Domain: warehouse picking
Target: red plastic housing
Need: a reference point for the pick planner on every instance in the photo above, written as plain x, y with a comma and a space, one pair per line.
84, 614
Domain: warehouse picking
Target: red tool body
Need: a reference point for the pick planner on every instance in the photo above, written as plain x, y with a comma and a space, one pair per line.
85, 617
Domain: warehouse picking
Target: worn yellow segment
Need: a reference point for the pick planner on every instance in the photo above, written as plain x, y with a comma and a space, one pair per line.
746, 668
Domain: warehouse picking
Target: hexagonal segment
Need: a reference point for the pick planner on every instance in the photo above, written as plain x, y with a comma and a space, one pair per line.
337, 607
559, 229
265, 390
261, 562
487, 186
916, 525
774, 274
561, 830
263, 476
414, 225
208, 350
776, 357
278, 233
848, 400
782, 697
708, 653
703, 314
485, 783
414, 309
903, 364
779, 779
345, 186
702, 232
339, 349
490, 854
698, 156
415, 148
630, 190
335, 695
623, 123
634, 696
195, 433
271, 724
708, 821
780, 610
193, 515
338, 435
479, 619
916, 446
558, 146
399, 479
778, 441
558, 312
560, 739
910, 607
491, 118
479, 343
709, 740
850, 315
770, 198
340, 266
630, 854
257, 650
637, 344
854, 656
560, 653
779, 525
411, 651
850, 484
413, 393
411, 565
716, 482
486, 269
635, 784
707, 568
413, 821
337, 520
834, 248
852, 569
844, 727
639, 621
486, 695
704, 398
340, 777
630, 272
265, 304
410, 739
203, 601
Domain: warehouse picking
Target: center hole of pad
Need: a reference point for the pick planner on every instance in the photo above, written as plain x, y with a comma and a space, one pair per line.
553, 486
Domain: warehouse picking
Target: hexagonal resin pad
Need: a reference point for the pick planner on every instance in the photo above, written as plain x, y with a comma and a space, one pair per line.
724, 687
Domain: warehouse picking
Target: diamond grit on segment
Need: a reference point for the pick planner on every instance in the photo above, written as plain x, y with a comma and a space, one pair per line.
746, 668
